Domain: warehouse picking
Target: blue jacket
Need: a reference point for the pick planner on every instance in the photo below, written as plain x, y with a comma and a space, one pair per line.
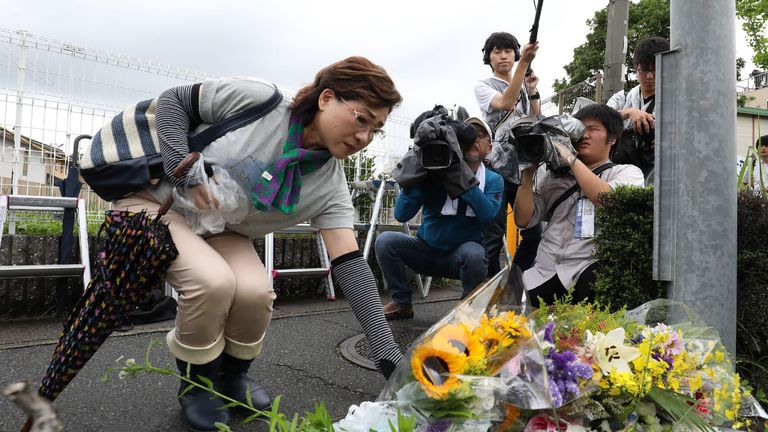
449, 232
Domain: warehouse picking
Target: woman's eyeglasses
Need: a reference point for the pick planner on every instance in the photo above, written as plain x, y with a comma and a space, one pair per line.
365, 123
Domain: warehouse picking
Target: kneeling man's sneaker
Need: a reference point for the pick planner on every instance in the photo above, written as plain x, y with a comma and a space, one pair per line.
394, 311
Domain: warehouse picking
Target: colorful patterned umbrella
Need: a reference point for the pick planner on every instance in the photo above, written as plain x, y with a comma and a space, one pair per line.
137, 252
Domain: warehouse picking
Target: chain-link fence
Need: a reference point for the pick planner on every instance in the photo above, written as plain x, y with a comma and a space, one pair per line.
564, 100
52, 91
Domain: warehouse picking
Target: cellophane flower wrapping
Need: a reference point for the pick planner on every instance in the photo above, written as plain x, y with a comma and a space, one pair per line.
451, 376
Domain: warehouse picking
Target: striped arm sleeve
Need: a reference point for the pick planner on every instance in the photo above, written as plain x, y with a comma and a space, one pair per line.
355, 278
178, 112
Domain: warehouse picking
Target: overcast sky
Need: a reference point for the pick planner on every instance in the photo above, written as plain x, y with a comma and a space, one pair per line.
430, 48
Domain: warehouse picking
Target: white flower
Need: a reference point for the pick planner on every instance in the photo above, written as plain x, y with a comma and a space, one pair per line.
609, 351
368, 416
484, 396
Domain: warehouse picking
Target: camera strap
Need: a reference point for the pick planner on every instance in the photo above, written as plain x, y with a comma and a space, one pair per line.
570, 191
501, 122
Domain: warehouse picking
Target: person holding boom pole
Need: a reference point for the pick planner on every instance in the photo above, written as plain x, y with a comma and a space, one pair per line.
509, 94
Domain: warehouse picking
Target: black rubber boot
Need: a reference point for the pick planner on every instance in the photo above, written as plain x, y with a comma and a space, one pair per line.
199, 408
235, 382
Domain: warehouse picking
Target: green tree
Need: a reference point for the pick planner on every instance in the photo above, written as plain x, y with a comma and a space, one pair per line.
754, 14
367, 166
646, 18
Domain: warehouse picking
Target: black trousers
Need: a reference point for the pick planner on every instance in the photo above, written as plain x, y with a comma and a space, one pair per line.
553, 288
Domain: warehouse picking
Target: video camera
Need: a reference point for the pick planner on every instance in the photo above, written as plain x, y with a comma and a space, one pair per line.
440, 138
635, 149
535, 136
438, 133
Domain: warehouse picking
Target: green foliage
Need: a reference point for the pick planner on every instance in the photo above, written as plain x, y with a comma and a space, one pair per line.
752, 283
646, 18
624, 247
740, 65
589, 57
682, 410
754, 14
742, 100
319, 420
50, 227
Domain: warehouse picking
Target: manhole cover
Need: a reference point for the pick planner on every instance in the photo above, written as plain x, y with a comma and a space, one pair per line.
356, 349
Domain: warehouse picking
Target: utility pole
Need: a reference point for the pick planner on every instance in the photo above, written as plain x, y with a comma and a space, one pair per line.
695, 193
615, 48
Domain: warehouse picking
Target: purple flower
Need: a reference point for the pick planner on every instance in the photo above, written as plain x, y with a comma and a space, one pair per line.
441, 425
565, 371
548, 332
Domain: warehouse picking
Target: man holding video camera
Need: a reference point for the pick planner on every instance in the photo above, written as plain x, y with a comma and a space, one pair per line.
505, 97
637, 108
448, 242
565, 197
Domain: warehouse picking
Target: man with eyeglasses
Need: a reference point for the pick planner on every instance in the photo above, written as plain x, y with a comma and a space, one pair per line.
449, 241
637, 108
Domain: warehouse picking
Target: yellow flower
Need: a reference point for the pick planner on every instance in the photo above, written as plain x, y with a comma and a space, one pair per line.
514, 325
460, 337
457, 335
695, 383
490, 336
435, 366
674, 384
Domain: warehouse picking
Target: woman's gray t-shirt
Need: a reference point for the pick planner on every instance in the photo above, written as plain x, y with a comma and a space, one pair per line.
324, 200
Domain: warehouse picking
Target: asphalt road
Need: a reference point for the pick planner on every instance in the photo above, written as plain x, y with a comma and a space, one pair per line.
301, 362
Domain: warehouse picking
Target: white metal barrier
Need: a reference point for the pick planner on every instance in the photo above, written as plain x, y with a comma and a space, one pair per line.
374, 226
324, 271
49, 204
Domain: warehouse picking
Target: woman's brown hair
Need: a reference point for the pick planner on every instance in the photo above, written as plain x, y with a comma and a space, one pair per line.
354, 78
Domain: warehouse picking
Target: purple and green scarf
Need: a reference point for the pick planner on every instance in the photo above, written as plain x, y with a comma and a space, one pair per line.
280, 184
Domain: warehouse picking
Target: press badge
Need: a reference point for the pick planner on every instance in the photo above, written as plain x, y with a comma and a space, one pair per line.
585, 219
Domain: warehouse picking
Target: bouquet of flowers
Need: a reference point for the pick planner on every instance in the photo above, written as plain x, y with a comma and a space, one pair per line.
488, 366
632, 370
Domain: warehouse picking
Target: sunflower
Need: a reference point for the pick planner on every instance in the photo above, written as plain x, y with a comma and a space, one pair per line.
435, 365
491, 335
514, 325
460, 337
457, 335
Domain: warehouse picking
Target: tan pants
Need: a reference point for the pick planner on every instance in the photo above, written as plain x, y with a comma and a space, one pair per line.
225, 294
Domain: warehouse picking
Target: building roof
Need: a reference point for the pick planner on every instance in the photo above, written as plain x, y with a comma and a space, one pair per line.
34, 144
752, 111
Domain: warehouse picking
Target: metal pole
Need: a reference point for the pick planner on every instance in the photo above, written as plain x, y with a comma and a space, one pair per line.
695, 195
599, 89
17, 167
615, 47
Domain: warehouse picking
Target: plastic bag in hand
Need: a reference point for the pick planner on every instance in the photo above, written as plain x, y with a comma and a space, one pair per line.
232, 201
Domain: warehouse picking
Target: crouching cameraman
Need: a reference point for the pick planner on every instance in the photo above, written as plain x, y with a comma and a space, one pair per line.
565, 197
455, 201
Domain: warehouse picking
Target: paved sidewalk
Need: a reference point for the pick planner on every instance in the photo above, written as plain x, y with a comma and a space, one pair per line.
301, 361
